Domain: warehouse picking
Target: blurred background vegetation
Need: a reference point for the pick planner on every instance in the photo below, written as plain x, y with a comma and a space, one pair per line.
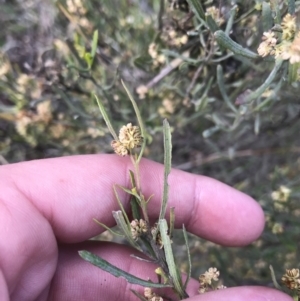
171, 61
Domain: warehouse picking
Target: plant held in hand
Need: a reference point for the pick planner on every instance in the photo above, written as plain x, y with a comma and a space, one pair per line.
153, 240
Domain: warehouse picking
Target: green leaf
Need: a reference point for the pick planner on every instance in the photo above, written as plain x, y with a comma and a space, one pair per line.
108, 267
267, 19
107, 228
130, 191
275, 7
197, 9
172, 221
225, 41
260, 90
291, 7
167, 166
176, 277
94, 43
140, 120
293, 72
135, 209
125, 228
220, 80
231, 19
188, 256
88, 59
120, 204
211, 23
274, 278
106, 118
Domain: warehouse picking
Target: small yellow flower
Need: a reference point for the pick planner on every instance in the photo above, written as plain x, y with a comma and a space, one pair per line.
264, 49
291, 279
269, 37
130, 136
289, 27
148, 292
277, 228
150, 295
282, 194
215, 14
138, 227
212, 274
282, 50
119, 148
205, 280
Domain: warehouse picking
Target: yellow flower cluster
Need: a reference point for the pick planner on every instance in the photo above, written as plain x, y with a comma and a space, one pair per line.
129, 137
206, 280
282, 194
291, 279
138, 227
150, 295
288, 48
214, 12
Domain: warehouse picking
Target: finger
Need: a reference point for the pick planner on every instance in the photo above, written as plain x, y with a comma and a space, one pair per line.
71, 191
28, 248
4, 296
243, 293
76, 279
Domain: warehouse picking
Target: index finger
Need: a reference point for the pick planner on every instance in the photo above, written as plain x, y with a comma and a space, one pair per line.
71, 191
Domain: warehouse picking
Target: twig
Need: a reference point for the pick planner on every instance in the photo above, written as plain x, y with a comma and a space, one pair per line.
167, 70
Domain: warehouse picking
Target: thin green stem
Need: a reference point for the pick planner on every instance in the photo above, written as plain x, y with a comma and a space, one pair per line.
259, 91
220, 80
140, 120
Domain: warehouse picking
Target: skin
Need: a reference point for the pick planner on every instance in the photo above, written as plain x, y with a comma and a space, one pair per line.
46, 212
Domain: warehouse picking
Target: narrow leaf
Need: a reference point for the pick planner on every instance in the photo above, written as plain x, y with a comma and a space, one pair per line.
291, 7
135, 209
132, 178
108, 267
94, 43
260, 90
172, 221
231, 19
129, 191
163, 227
106, 118
220, 80
121, 205
123, 226
276, 11
197, 9
167, 166
107, 228
211, 23
293, 72
188, 257
267, 19
274, 278
225, 41
140, 120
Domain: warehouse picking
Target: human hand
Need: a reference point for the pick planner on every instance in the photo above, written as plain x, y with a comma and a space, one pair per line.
46, 212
